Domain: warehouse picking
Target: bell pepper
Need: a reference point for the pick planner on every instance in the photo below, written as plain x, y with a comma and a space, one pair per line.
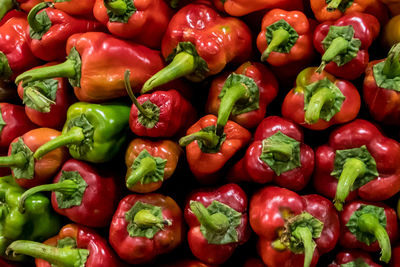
198, 43
145, 226
218, 222
348, 258
96, 63
150, 163
6, 263
358, 160
393, 5
293, 230
244, 7
344, 44
253, 262
368, 226
395, 261
391, 32
46, 101
7, 5
160, 114
78, 193
37, 223
187, 263
207, 152
144, 22
244, 94
92, 132
278, 155
75, 245
50, 28
75, 7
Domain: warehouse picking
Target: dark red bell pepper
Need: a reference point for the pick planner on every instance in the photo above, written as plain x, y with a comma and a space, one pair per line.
75, 245
253, 262
218, 222
278, 155
244, 94
344, 44
368, 226
294, 230
395, 261
80, 193
353, 258
145, 226
243, 7
187, 263
198, 43
319, 101
358, 161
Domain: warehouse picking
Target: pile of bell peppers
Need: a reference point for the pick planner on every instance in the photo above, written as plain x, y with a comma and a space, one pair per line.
199, 133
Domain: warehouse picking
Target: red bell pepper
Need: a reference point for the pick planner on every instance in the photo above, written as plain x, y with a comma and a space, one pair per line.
218, 222
78, 192
207, 152
344, 44
353, 258
358, 160
277, 154
381, 88
319, 101
46, 101
187, 263
294, 230
144, 22
75, 7
244, 7
253, 262
75, 245
7, 5
244, 94
150, 163
199, 42
145, 226
27, 171
395, 261
368, 226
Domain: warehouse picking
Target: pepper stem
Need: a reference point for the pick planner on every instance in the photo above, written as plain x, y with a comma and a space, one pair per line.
5, 69
5, 6
209, 139
317, 102
217, 222
129, 90
174, 3
338, 46
182, 65
73, 136
352, 169
17, 160
304, 234
147, 165
370, 224
35, 25
38, 99
228, 101
145, 219
279, 37
118, 7
333, 5
391, 69
281, 151
67, 256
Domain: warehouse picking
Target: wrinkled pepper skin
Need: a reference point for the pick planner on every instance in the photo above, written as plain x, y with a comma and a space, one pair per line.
252, 168
200, 246
166, 150
273, 207
366, 29
355, 256
267, 87
385, 152
141, 249
146, 25
75, 7
242, 7
293, 104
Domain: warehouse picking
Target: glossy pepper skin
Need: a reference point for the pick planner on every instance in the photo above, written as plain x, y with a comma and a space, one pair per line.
357, 161
75, 245
92, 132
256, 165
150, 163
211, 227
199, 42
207, 152
7, 6
241, 104
37, 223
75, 7
345, 52
368, 226
143, 21
276, 215
243, 7
46, 101
355, 257
157, 214
328, 100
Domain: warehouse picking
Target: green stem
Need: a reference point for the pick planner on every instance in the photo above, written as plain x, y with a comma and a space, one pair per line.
17, 160
333, 5
209, 139
304, 234
217, 222
35, 25
5, 6
38, 99
147, 165
66, 257
174, 3
352, 169
5, 69
281, 151
370, 224
145, 219
338, 46
228, 101
73, 136
391, 69
118, 7
182, 65
317, 102
129, 90
279, 37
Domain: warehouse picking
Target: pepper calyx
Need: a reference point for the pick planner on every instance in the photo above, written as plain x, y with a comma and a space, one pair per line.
39, 23
387, 72
76, 59
67, 199
152, 115
120, 10
27, 171
284, 44
359, 262
341, 5
40, 95
86, 144
2, 122
214, 149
